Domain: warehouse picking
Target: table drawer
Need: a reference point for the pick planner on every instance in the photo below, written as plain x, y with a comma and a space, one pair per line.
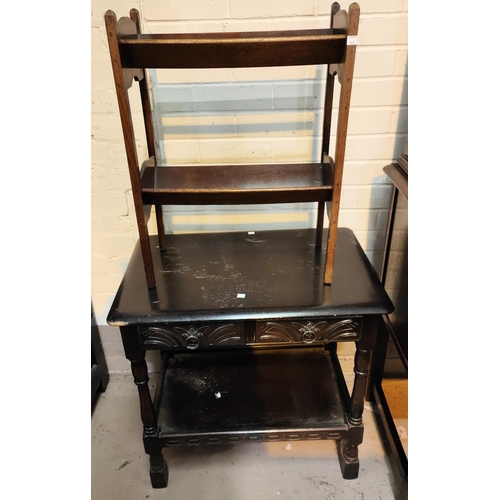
308, 332
192, 336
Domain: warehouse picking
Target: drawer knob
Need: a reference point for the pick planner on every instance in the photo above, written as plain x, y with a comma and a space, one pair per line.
192, 336
309, 332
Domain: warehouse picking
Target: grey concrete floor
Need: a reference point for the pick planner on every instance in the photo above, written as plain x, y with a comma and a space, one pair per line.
263, 471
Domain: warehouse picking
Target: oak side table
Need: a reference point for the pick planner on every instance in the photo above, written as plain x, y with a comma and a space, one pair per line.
247, 333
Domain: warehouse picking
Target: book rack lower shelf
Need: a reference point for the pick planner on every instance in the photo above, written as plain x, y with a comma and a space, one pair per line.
236, 184
223, 397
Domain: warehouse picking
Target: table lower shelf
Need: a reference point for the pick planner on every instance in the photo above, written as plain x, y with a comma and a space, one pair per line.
252, 395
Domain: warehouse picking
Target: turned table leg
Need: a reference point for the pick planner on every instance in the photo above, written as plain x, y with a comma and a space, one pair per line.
348, 448
136, 355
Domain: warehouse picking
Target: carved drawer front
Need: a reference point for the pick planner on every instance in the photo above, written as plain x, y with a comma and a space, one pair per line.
192, 336
308, 332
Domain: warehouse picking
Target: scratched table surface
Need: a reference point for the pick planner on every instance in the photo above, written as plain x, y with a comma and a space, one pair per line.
243, 276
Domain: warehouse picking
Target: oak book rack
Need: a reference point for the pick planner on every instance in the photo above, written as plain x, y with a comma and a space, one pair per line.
132, 53
246, 327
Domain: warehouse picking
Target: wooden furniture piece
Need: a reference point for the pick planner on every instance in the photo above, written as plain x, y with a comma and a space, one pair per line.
247, 332
132, 53
99, 370
390, 357
246, 324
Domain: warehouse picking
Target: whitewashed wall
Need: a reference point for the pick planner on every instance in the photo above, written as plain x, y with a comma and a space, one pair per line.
259, 115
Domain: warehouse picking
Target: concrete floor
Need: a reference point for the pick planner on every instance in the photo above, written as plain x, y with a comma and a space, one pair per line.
295, 470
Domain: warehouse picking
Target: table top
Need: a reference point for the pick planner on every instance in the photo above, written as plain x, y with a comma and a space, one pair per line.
244, 276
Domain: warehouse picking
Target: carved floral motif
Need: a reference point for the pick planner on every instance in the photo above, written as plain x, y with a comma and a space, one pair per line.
193, 336
307, 333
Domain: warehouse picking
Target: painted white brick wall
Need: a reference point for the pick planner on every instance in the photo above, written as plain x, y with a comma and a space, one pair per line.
244, 116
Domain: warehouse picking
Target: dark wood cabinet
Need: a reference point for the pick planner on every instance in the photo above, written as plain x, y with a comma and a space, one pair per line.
390, 357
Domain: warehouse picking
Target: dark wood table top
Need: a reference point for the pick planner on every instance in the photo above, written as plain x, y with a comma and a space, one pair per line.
242, 276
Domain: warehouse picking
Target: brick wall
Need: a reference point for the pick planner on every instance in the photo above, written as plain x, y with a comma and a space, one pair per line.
245, 116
